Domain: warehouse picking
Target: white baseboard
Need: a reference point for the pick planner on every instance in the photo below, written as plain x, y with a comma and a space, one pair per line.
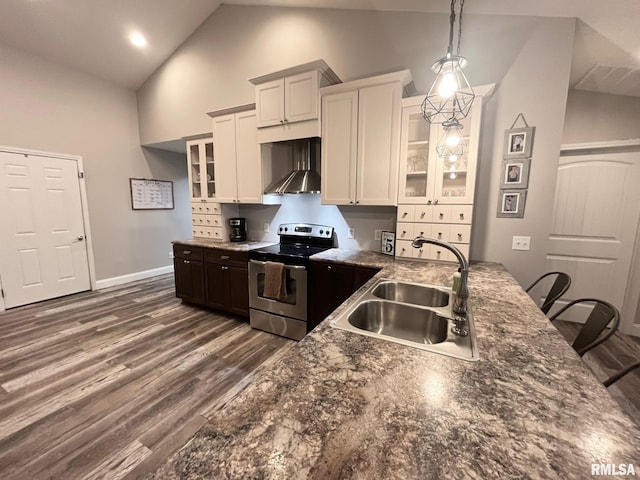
132, 277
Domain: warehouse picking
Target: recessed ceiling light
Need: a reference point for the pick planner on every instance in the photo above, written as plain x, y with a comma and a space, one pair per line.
138, 40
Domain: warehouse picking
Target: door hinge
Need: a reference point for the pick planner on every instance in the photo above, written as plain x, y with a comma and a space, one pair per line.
2, 292
80, 174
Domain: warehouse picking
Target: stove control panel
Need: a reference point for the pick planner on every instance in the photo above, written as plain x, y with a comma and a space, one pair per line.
305, 230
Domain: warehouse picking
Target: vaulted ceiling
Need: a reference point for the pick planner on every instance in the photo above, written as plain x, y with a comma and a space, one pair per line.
93, 35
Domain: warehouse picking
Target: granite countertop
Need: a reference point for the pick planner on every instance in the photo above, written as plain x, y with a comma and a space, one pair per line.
235, 246
345, 406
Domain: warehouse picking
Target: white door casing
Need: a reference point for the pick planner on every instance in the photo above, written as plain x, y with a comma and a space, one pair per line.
43, 247
594, 227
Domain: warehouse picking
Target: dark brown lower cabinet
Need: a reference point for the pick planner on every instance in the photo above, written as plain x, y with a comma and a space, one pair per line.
227, 280
330, 284
189, 274
212, 277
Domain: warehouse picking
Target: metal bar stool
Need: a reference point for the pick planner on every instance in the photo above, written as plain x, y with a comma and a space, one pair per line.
601, 315
559, 288
617, 376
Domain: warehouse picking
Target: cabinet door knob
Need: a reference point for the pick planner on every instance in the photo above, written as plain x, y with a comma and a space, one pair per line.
404, 214
459, 236
441, 216
225, 268
462, 216
281, 121
186, 261
435, 202
329, 267
351, 202
422, 214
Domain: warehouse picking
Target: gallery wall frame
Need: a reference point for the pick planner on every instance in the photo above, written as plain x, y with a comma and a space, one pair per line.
518, 142
515, 173
511, 203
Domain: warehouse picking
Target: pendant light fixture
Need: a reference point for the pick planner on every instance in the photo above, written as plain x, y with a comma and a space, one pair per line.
451, 144
450, 96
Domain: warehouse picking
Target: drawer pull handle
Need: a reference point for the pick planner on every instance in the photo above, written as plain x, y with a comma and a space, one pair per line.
224, 257
186, 261
422, 214
404, 214
459, 236
462, 216
441, 216
329, 267
186, 252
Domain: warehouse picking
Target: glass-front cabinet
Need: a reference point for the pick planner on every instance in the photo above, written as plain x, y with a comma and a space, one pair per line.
436, 193
202, 185
425, 178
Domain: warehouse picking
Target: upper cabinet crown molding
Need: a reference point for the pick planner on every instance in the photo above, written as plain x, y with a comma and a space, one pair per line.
319, 65
230, 110
402, 76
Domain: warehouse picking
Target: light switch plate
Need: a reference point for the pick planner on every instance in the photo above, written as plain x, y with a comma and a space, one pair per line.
377, 234
521, 243
352, 232
266, 227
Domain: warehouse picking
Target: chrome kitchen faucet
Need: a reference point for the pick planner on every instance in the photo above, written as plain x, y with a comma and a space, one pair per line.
462, 295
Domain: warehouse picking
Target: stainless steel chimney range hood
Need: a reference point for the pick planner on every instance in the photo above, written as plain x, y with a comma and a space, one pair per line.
304, 178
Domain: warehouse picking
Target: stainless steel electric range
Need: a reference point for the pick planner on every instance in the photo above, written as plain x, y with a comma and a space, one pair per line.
287, 316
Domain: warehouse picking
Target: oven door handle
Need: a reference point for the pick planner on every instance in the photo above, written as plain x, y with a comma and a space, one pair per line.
292, 267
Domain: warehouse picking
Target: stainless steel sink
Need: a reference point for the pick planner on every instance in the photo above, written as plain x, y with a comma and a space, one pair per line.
400, 321
387, 311
411, 293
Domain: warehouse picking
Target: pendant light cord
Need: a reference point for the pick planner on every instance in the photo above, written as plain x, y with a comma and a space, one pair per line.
452, 21
459, 27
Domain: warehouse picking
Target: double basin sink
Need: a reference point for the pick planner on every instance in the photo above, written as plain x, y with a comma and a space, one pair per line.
411, 314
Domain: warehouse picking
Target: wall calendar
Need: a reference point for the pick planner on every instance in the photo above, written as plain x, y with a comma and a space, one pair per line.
149, 194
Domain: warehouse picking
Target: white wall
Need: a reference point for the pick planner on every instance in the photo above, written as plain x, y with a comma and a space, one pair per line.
535, 85
51, 108
307, 208
599, 117
210, 71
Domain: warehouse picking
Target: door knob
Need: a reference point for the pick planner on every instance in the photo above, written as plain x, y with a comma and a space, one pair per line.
79, 238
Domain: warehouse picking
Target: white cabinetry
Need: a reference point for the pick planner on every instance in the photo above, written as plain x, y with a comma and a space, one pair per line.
238, 169
361, 140
287, 102
201, 172
435, 195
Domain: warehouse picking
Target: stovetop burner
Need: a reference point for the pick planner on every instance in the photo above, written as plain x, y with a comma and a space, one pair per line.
298, 241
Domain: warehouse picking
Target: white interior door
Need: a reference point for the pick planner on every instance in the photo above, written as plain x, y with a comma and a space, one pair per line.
595, 220
43, 252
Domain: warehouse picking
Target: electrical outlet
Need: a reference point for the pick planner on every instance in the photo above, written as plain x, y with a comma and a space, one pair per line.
352, 233
170, 253
377, 234
266, 227
521, 243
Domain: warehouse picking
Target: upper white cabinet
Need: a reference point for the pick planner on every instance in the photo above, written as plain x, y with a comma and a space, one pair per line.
201, 169
238, 170
287, 102
361, 140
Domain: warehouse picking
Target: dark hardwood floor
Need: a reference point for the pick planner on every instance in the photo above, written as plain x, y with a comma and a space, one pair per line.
108, 384
608, 358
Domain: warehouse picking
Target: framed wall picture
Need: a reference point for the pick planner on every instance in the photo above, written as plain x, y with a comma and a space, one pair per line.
511, 203
515, 173
518, 142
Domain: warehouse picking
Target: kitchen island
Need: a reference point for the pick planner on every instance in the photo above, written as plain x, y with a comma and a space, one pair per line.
341, 405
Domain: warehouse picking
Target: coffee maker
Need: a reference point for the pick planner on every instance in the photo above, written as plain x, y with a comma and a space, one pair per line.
238, 229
